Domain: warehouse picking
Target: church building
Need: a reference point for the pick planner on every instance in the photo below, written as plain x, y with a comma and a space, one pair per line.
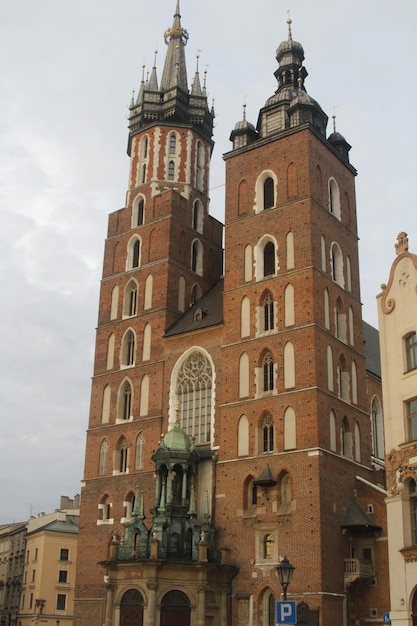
235, 412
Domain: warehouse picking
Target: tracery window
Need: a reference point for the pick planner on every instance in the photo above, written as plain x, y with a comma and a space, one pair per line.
268, 306
194, 395
268, 434
268, 372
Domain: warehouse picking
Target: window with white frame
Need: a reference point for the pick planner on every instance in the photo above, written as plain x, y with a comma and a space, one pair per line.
410, 342
193, 387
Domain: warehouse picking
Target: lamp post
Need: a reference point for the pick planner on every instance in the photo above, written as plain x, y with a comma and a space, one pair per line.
285, 571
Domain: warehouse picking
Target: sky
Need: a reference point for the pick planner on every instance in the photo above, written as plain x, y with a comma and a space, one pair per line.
67, 73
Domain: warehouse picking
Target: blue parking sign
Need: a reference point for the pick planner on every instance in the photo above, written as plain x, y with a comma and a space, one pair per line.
286, 613
386, 618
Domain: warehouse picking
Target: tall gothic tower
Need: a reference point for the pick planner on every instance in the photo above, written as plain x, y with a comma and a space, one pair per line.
230, 417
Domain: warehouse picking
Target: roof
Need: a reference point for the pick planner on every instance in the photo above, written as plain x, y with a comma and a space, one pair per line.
355, 517
69, 525
371, 349
206, 312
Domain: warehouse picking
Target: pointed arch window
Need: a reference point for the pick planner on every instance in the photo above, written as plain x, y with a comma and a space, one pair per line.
122, 457
125, 401
128, 349
104, 451
268, 310
268, 546
140, 451
269, 193
131, 299
194, 395
172, 144
141, 212
171, 170
268, 372
268, 434
269, 259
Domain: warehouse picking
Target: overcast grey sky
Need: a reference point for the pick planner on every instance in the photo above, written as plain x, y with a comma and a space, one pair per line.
67, 73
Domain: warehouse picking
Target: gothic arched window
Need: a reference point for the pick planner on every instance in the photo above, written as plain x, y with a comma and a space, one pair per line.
268, 372
194, 395
269, 259
269, 195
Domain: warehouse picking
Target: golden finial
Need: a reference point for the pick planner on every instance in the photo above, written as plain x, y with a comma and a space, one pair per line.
289, 22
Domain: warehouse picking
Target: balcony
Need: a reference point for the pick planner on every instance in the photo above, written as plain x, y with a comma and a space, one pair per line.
358, 569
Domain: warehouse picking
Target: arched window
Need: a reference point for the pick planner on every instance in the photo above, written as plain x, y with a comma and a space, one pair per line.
143, 177
121, 460
243, 436
114, 302
105, 409
140, 451
348, 273
245, 317
125, 401
131, 608
200, 166
110, 352
290, 429
133, 255
172, 144
351, 328
289, 365
269, 259
330, 380
268, 372
144, 147
340, 321
181, 294
268, 312
250, 493
198, 216
248, 264
323, 254
289, 310
144, 396
334, 198
343, 380
268, 609
377, 425
146, 347
129, 504
131, 299
332, 428
268, 434
290, 250
195, 294
197, 257
244, 375
354, 383
171, 170
104, 508
104, 452
346, 439
269, 195
128, 349
357, 443
138, 214
147, 304
326, 310
194, 395
336, 260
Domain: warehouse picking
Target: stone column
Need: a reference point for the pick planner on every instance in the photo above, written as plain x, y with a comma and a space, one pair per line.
201, 605
151, 610
109, 604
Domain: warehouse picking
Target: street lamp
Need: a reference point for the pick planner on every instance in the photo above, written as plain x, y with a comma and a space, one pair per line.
285, 571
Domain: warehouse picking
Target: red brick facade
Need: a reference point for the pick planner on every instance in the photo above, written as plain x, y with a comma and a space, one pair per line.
310, 427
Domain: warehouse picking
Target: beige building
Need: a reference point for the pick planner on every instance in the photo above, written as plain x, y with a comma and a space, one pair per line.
49, 578
397, 310
12, 558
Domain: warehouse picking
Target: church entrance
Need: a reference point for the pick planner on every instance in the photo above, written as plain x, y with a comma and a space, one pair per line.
131, 608
175, 609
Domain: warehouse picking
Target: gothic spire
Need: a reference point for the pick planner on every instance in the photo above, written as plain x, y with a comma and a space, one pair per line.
175, 71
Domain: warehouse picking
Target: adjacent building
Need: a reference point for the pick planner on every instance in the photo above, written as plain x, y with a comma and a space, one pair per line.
235, 411
47, 592
397, 311
12, 564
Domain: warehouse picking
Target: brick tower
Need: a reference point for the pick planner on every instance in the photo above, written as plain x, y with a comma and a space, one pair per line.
230, 416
